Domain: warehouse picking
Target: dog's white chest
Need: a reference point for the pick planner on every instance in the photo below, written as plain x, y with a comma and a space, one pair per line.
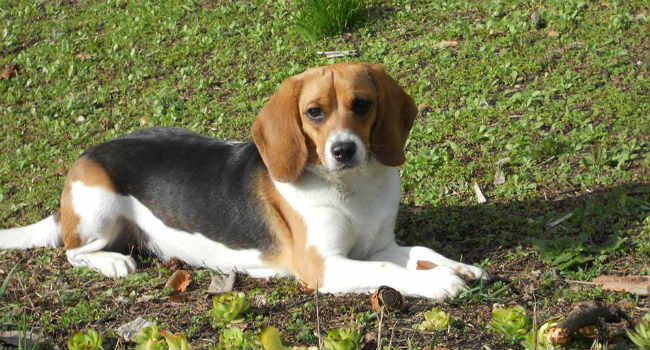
349, 215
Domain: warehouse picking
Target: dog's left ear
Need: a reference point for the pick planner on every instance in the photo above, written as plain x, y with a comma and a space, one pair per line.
277, 133
395, 114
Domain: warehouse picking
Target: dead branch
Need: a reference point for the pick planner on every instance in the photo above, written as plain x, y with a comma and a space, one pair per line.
583, 314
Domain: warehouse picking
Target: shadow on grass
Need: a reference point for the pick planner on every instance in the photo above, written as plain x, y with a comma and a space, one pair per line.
598, 221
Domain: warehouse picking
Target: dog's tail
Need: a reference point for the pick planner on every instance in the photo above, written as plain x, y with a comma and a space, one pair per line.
45, 233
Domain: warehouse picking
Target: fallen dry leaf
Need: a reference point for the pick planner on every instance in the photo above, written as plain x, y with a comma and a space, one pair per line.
639, 285
424, 265
446, 43
179, 281
552, 34
9, 72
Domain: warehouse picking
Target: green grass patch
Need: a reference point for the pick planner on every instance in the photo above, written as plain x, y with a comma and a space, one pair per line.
315, 20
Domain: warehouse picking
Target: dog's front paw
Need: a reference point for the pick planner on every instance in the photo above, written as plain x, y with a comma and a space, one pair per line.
470, 272
440, 283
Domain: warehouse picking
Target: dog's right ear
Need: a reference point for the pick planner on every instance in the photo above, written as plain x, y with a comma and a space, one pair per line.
277, 133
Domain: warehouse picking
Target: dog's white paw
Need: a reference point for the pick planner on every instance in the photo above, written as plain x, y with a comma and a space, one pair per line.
470, 272
109, 264
439, 283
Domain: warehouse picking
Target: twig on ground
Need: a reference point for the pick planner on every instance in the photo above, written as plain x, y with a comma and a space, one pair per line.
320, 340
535, 330
333, 54
392, 333
580, 282
583, 314
381, 320
560, 220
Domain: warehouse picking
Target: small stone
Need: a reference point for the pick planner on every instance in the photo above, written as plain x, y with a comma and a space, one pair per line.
131, 329
222, 283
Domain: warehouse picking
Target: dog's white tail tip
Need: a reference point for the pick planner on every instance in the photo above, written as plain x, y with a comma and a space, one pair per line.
45, 233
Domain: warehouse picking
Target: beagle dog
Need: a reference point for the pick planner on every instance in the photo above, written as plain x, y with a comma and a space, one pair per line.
315, 195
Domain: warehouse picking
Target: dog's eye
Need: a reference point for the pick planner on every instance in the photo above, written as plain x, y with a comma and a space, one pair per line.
361, 106
315, 113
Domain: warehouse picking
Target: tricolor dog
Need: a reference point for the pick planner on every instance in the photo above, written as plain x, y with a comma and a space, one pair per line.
315, 195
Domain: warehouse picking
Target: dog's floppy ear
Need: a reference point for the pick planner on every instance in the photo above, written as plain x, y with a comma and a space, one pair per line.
395, 114
277, 133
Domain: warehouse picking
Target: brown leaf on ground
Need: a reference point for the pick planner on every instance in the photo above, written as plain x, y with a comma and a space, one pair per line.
10, 71
639, 285
552, 34
179, 281
424, 265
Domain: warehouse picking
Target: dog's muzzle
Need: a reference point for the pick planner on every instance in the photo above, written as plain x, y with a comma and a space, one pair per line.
344, 150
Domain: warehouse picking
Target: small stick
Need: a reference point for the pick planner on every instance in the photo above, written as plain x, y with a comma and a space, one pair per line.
381, 319
560, 220
583, 314
392, 333
580, 282
534, 320
320, 340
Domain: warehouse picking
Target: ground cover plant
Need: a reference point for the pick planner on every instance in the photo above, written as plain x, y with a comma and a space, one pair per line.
543, 106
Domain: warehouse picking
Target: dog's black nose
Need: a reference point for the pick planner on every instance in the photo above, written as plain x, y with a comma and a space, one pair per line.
344, 151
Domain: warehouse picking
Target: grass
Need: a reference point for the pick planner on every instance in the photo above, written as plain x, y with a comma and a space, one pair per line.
315, 19
559, 106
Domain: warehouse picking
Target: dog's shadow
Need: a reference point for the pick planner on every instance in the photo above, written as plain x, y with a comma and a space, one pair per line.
566, 232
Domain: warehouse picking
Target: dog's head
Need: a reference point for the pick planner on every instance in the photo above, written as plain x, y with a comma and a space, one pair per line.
337, 116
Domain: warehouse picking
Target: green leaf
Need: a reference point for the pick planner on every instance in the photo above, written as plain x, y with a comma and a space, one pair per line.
271, 339
512, 323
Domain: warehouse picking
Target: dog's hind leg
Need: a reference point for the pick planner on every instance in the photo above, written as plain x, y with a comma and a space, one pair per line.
109, 264
92, 220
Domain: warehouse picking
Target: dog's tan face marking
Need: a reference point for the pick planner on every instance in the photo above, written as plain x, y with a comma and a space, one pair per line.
343, 98
290, 233
336, 116
90, 173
